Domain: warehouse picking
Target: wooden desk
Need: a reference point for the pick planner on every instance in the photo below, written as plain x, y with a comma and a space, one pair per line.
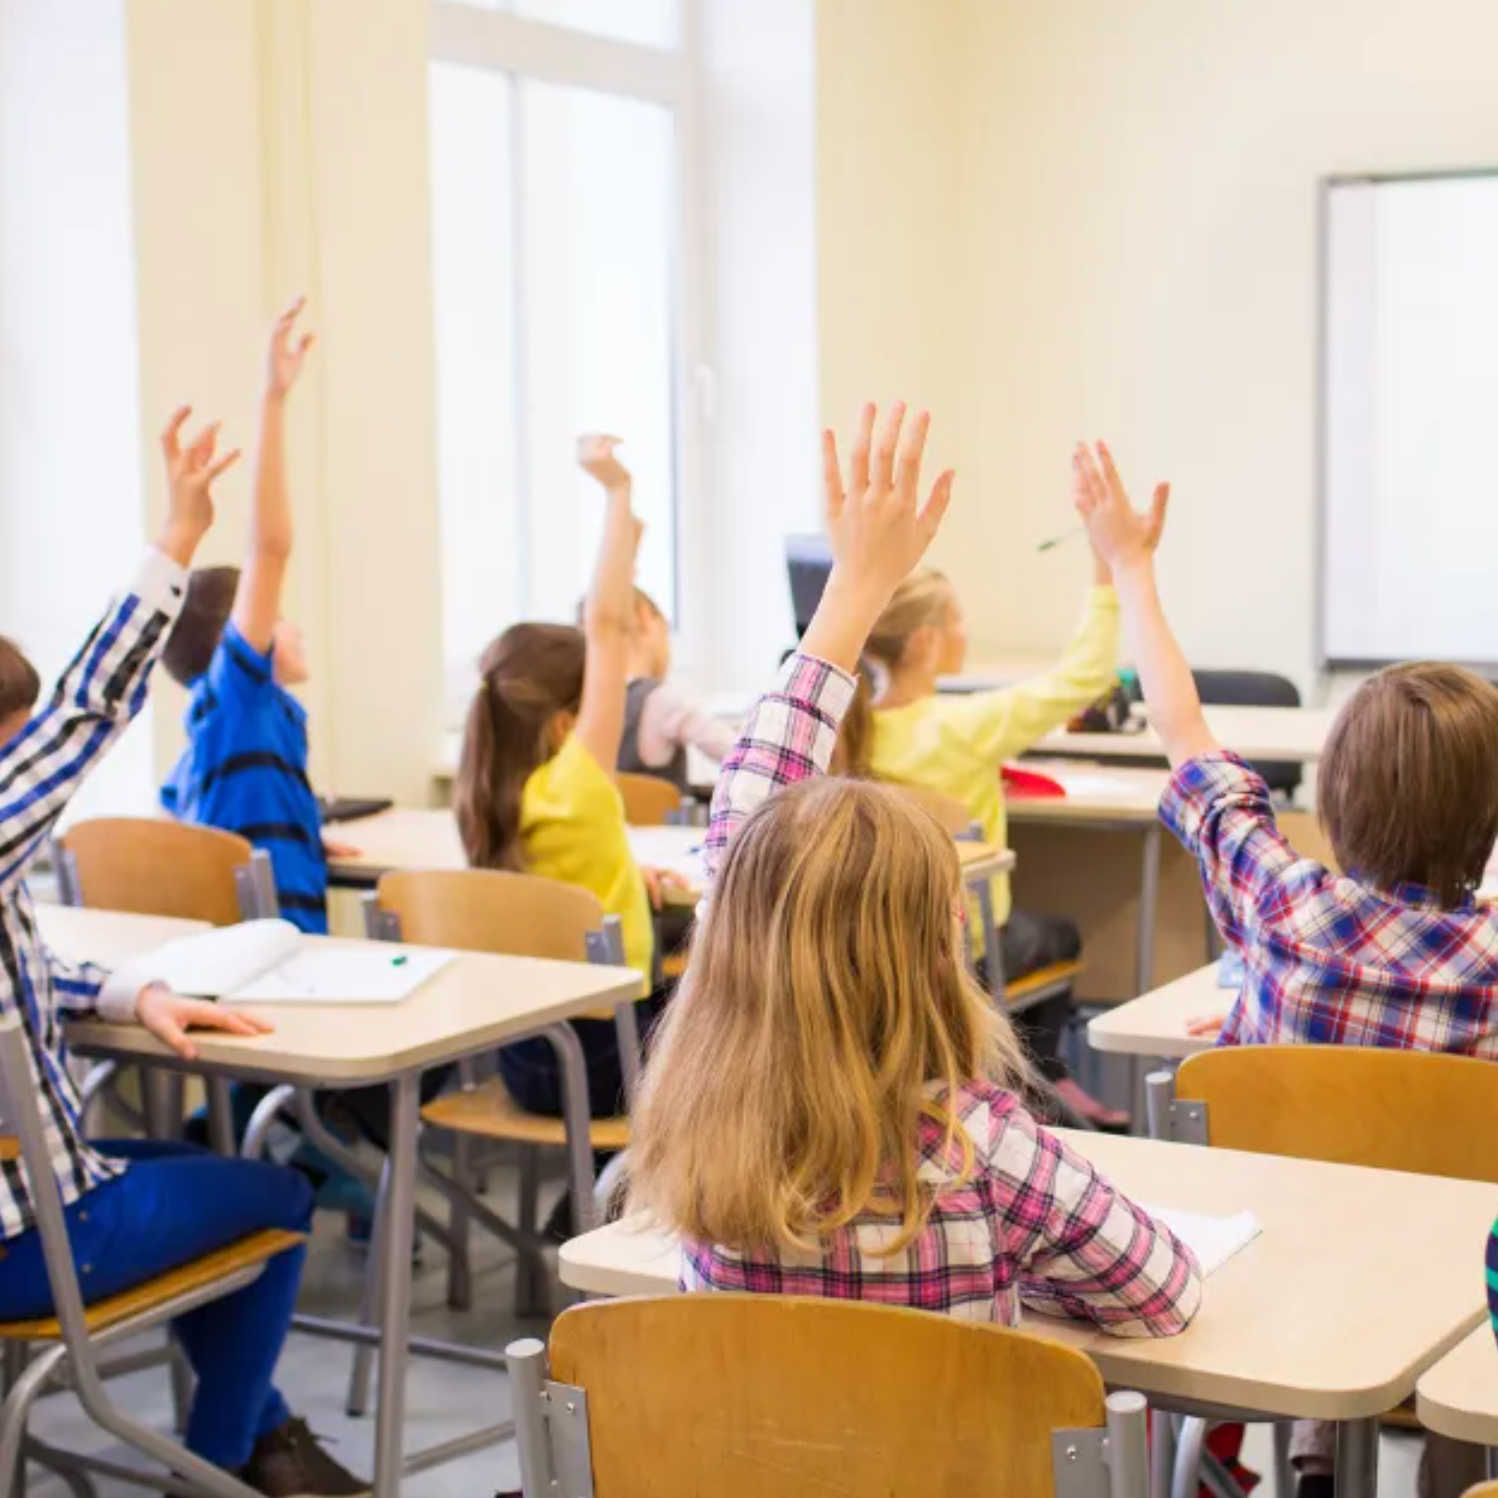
473, 1005
1459, 1396
1155, 1024
405, 838
1296, 734
107, 937
1285, 1327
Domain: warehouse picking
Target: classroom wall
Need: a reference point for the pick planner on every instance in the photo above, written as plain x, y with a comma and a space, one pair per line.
1130, 236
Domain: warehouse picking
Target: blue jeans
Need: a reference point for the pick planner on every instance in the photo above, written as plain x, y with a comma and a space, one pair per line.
176, 1203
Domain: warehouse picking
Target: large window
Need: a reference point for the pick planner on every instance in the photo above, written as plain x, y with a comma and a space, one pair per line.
562, 172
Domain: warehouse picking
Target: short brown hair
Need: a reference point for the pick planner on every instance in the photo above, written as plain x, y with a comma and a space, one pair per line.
1408, 785
20, 686
200, 626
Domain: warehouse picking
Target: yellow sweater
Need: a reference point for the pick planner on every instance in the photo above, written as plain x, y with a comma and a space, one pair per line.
956, 744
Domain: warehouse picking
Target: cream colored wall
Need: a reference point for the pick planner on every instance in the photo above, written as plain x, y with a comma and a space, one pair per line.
1125, 204
280, 146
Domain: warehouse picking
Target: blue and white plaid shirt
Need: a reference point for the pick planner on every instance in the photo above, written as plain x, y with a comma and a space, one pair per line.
98, 695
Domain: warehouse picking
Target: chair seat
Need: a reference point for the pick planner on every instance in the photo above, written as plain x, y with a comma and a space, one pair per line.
490, 1111
256, 1249
1042, 982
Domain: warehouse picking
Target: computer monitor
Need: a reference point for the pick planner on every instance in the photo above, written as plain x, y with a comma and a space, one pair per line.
808, 560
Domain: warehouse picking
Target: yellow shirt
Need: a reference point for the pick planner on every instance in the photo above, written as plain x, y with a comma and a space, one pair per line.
572, 829
956, 744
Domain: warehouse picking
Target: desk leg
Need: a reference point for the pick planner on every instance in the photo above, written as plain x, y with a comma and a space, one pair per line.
395, 1286
1357, 1459
1149, 910
575, 1113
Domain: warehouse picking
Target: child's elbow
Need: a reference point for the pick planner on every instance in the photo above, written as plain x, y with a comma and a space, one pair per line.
1170, 1312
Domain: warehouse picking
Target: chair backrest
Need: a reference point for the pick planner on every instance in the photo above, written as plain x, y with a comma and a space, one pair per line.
739, 1395
649, 801
486, 910
1354, 1105
956, 820
158, 867
1246, 689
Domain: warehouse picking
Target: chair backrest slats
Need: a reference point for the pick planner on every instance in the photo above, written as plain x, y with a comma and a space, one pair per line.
649, 801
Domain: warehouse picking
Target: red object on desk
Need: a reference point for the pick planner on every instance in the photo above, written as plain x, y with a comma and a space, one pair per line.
1029, 785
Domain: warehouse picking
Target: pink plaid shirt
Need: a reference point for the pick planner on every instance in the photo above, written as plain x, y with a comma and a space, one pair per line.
1329, 960
1034, 1224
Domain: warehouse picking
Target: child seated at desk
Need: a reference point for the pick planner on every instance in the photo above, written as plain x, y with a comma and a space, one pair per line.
136, 1209
957, 745
832, 1106
660, 722
535, 790
1397, 951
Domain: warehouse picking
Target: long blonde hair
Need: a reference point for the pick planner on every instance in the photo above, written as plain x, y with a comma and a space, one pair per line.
827, 992
924, 598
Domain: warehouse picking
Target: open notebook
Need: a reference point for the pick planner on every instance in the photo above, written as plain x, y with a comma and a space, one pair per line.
271, 962
1214, 1240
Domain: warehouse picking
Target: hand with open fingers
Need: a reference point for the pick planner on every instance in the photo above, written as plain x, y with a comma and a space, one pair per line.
191, 472
1120, 534
287, 351
1207, 1024
876, 520
596, 458
169, 1017
661, 882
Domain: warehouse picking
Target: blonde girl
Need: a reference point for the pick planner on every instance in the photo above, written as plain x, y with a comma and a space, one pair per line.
957, 744
832, 1106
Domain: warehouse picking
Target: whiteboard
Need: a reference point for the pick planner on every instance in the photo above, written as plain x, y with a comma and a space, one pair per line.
1409, 406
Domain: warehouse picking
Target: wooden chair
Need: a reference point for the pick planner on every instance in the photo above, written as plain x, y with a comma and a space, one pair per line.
742, 1395
518, 915
649, 801
1483, 1490
1415, 1111
76, 1333
158, 867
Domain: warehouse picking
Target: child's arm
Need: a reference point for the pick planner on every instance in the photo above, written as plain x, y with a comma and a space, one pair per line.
257, 603
670, 720
998, 725
105, 686
1127, 539
1215, 804
1085, 1250
608, 612
879, 533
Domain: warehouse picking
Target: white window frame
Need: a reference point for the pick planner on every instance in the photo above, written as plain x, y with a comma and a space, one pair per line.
497, 41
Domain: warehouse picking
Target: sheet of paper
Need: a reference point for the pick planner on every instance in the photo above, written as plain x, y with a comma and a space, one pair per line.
1214, 1240
331, 975
1092, 787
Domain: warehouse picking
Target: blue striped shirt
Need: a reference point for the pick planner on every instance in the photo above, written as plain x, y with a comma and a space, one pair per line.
245, 770
98, 695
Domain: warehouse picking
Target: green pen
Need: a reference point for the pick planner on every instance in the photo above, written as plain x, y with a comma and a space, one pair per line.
400, 961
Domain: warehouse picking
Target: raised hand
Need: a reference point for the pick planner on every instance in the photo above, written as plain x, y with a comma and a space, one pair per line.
878, 527
169, 1017
191, 472
1120, 534
595, 456
287, 351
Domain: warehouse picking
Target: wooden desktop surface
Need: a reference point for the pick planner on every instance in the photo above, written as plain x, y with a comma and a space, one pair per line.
1458, 1397
1155, 1023
474, 1004
1291, 1325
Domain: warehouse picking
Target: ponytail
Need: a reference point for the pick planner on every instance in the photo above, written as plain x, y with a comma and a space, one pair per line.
530, 673
854, 755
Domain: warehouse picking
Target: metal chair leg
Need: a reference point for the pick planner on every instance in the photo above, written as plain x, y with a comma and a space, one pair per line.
77, 1480
182, 1385
1190, 1444
266, 1112
362, 1372
24, 1389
